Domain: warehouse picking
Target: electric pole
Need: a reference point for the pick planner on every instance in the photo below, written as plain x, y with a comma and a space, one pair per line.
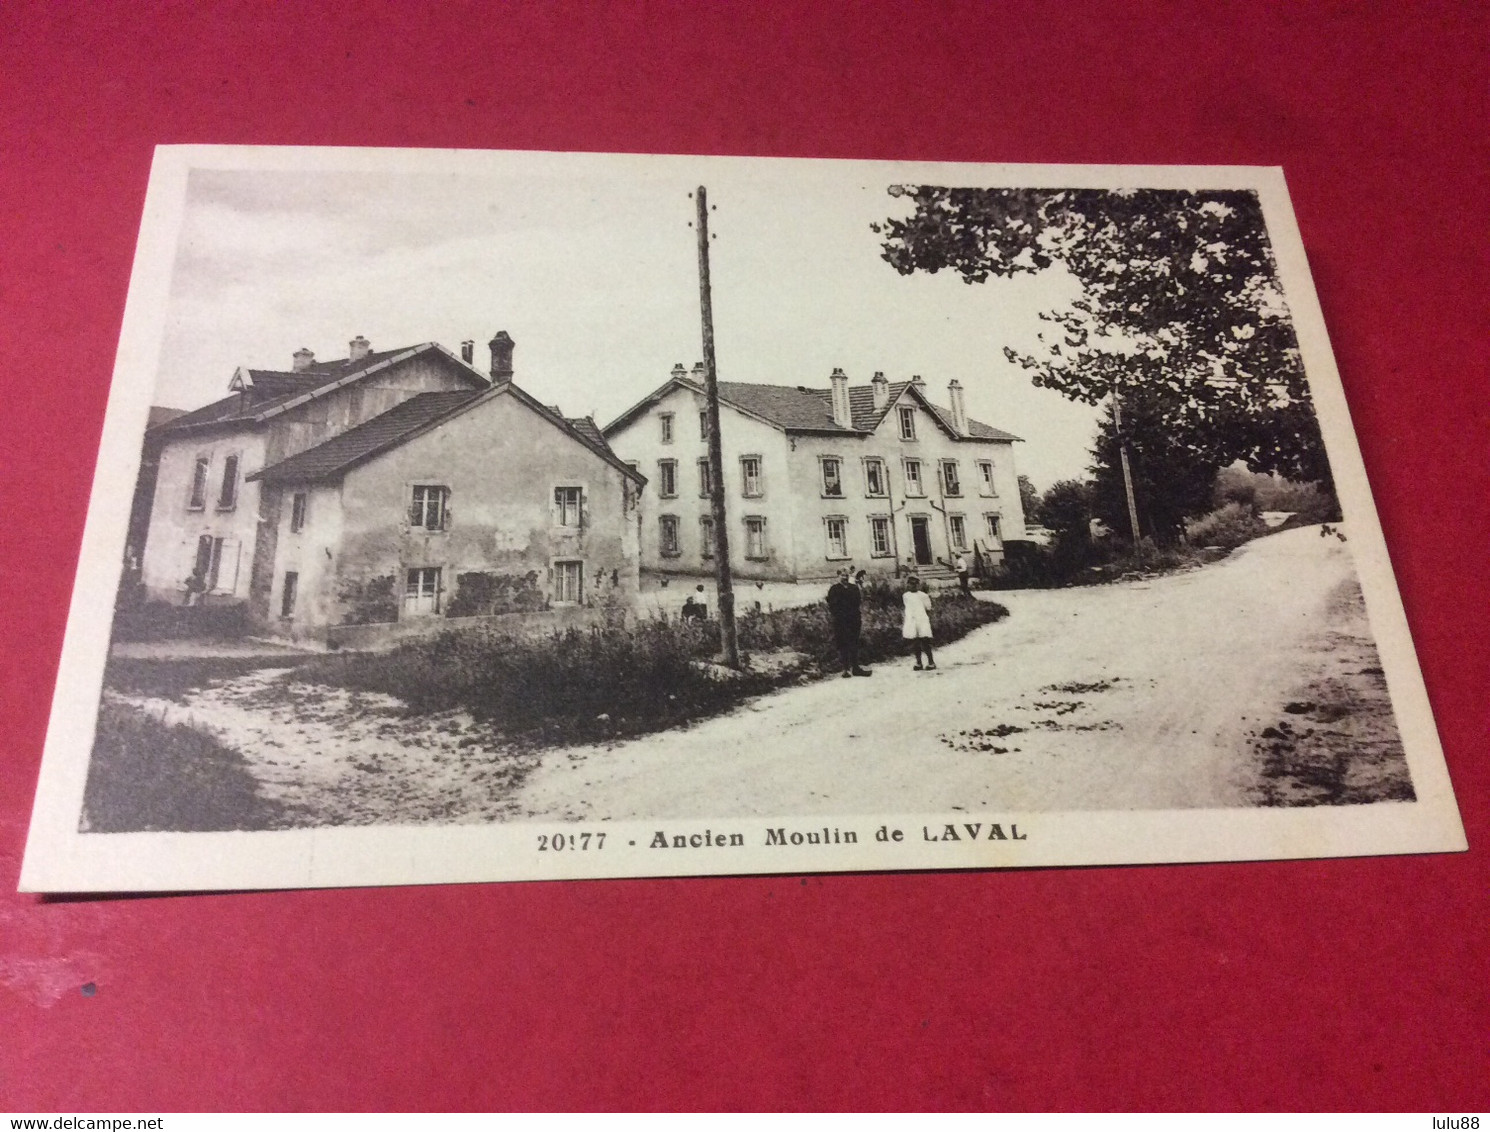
729, 639
1117, 424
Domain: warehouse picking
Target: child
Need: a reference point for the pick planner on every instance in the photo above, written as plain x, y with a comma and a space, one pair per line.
916, 628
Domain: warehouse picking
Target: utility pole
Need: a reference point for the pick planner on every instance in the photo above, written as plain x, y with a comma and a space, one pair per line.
1117, 424
727, 634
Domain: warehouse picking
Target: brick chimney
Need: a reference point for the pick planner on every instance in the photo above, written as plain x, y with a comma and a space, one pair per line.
501, 356
959, 406
918, 381
679, 372
468, 351
842, 417
304, 359
358, 348
881, 389
698, 372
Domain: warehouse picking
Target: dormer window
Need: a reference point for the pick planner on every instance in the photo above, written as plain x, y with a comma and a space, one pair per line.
907, 422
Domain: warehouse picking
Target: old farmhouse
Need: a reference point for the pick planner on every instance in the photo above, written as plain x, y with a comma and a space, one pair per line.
389, 489
875, 475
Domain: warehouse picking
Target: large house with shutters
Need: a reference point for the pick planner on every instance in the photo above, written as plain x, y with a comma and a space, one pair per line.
877, 476
393, 489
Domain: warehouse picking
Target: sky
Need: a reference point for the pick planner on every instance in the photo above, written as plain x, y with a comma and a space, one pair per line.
595, 276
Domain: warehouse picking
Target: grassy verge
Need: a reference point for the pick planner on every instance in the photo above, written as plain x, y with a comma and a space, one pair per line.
147, 774
172, 679
589, 685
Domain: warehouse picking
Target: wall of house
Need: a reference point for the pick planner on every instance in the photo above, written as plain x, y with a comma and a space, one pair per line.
308, 425
932, 445
176, 527
501, 463
740, 435
310, 553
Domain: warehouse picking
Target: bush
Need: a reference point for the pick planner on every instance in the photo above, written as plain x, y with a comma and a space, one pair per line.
161, 621
147, 774
588, 684
1229, 526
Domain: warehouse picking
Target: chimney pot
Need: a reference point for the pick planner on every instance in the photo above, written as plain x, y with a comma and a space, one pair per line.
881, 389
698, 369
303, 359
358, 348
468, 351
501, 356
679, 371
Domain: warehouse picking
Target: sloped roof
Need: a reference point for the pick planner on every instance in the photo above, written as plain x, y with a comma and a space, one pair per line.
798, 408
263, 391
331, 458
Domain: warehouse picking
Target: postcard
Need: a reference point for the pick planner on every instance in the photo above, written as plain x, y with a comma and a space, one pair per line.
478, 516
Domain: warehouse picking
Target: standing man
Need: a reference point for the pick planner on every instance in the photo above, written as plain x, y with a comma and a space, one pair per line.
844, 600
961, 567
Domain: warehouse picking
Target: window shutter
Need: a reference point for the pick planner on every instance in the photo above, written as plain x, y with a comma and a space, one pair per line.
227, 566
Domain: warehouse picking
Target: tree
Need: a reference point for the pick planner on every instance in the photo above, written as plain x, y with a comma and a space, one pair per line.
1172, 480
1181, 305
1029, 500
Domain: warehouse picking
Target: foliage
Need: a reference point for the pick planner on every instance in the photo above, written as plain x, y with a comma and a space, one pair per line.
481, 593
171, 678
162, 621
147, 774
1230, 526
599, 683
1180, 302
368, 601
1171, 480
1029, 501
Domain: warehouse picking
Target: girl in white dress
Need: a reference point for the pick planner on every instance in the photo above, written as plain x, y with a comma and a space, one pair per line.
916, 628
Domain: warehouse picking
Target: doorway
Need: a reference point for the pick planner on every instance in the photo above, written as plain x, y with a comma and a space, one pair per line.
921, 538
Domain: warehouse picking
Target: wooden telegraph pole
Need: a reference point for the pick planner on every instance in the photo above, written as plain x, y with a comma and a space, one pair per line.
727, 634
1117, 424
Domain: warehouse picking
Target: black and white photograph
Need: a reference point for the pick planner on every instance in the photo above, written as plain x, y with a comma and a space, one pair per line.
472, 516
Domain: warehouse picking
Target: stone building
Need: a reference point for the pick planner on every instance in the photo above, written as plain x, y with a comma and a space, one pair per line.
875, 475
389, 489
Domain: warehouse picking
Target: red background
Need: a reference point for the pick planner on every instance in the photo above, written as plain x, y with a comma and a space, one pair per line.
1324, 984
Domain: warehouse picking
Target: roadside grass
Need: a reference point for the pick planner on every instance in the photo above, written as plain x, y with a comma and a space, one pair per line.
147, 774
172, 678
608, 683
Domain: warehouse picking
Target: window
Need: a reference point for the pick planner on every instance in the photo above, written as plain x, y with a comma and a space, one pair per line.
705, 484
287, 595
994, 536
706, 534
879, 536
957, 525
832, 477
298, 503
874, 476
216, 566
667, 478
951, 485
567, 506
985, 478
750, 477
422, 591
569, 582
667, 536
429, 507
199, 472
907, 422
837, 537
755, 536
667, 427
227, 495
703, 426
913, 485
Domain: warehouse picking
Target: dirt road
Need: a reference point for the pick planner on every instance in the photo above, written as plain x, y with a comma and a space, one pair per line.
1193, 690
